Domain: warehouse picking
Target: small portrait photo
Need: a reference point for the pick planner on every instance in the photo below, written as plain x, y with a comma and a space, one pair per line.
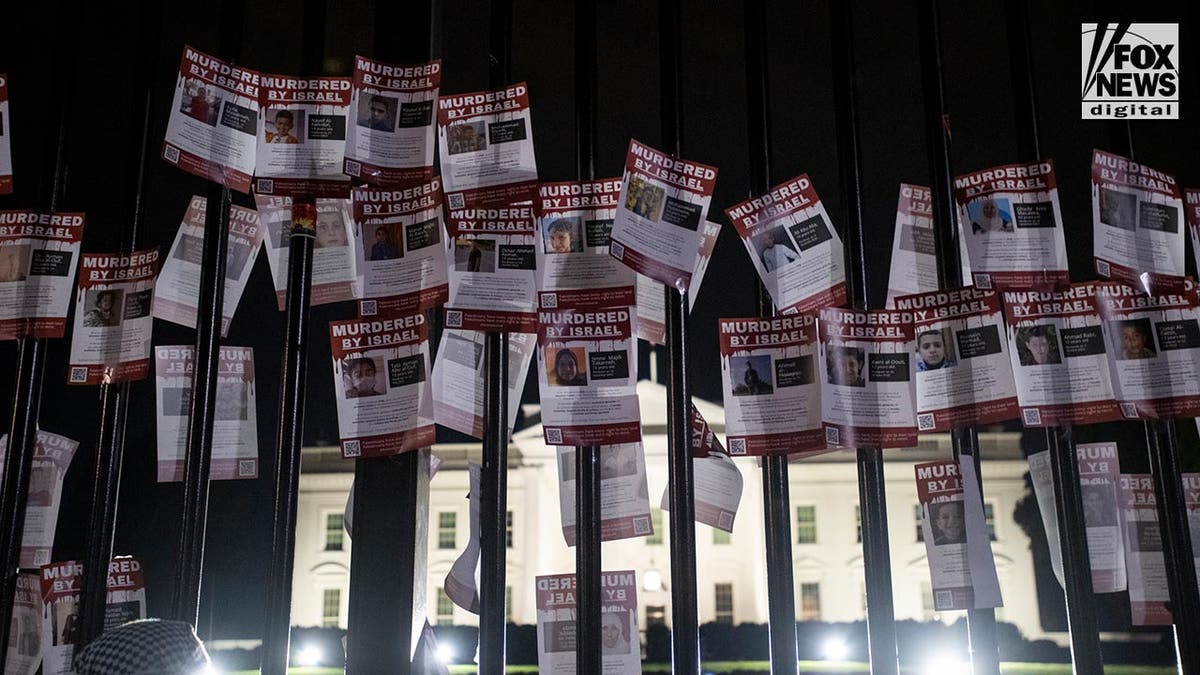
233, 401
844, 366
14, 262
466, 137
775, 248
566, 366
1038, 345
990, 214
377, 112
363, 376
200, 102
190, 249
383, 241
614, 627
330, 228
474, 255
948, 522
935, 349
751, 375
279, 227
237, 256
644, 199
563, 236
284, 127
1133, 338
1099, 505
42, 477
65, 616
103, 308
617, 461
1118, 209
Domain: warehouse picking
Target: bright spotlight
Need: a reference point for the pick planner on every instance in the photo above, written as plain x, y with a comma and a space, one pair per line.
309, 656
835, 649
948, 664
445, 654
652, 581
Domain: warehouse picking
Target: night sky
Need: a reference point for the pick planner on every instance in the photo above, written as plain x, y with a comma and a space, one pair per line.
978, 88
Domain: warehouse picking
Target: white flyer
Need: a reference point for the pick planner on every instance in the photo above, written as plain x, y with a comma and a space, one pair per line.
914, 255
61, 585
177, 291
1137, 224
957, 546
651, 295
52, 456
400, 245
574, 222
39, 253
1012, 223
462, 581
718, 490
25, 634
390, 143
793, 246
6, 168
1144, 563
301, 136
624, 497
485, 141
459, 373
213, 125
335, 270
235, 421
620, 640
113, 322
492, 269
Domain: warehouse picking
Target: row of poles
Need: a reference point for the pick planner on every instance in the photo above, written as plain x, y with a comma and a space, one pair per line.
391, 508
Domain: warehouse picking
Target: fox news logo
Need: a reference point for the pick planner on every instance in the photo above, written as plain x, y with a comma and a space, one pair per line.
1130, 71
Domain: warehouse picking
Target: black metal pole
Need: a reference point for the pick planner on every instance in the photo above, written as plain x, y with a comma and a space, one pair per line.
685, 628
114, 399
981, 623
31, 352
493, 484
189, 565
777, 522
881, 621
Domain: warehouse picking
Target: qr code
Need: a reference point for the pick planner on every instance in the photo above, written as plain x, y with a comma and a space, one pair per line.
925, 421
351, 449
265, 186
1102, 268
641, 525
550, 300
725, 522
367, 308
943, 599
737, 446
554, 436
1032, 416
79, 374
833, 436
984, 281
456, 201
617, 250
453, 319
1129, 410
352, 168
247, 467
171, 154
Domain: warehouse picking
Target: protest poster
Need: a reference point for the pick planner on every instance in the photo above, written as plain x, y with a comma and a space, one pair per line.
390, 143
485, 142
914, 255
652, 297
111, 339
1098, 470
39, 253
235, 422
866, 376
61, 586
462, 581
302, 136
384, 404
771, 392
1056, 346
6, 168
620, 640
335, 267
25, 632
704, 439
587, 373
663, 202
52, 455
718, 490
1153, 349
793, 246
574, 222
459, 374
1191, 209
399, 244
1015, 238
961, 568
493, 279
177, 291
624, 497
963, 372
1136, 219
213, 127
1144, 563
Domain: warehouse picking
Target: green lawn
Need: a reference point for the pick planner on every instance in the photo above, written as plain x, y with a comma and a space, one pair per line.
807, 667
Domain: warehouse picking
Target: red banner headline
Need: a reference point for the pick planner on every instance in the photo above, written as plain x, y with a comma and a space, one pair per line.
1018, 178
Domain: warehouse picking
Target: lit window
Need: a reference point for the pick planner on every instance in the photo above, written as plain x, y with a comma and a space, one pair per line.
445, 608
331, 607
917, 514
656, 615
723, 594
927, 611
720, 537
447, 530
508, 612
656, 521
335, 535
508, 530
806, 524
989, 516
858, 523
810, 602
